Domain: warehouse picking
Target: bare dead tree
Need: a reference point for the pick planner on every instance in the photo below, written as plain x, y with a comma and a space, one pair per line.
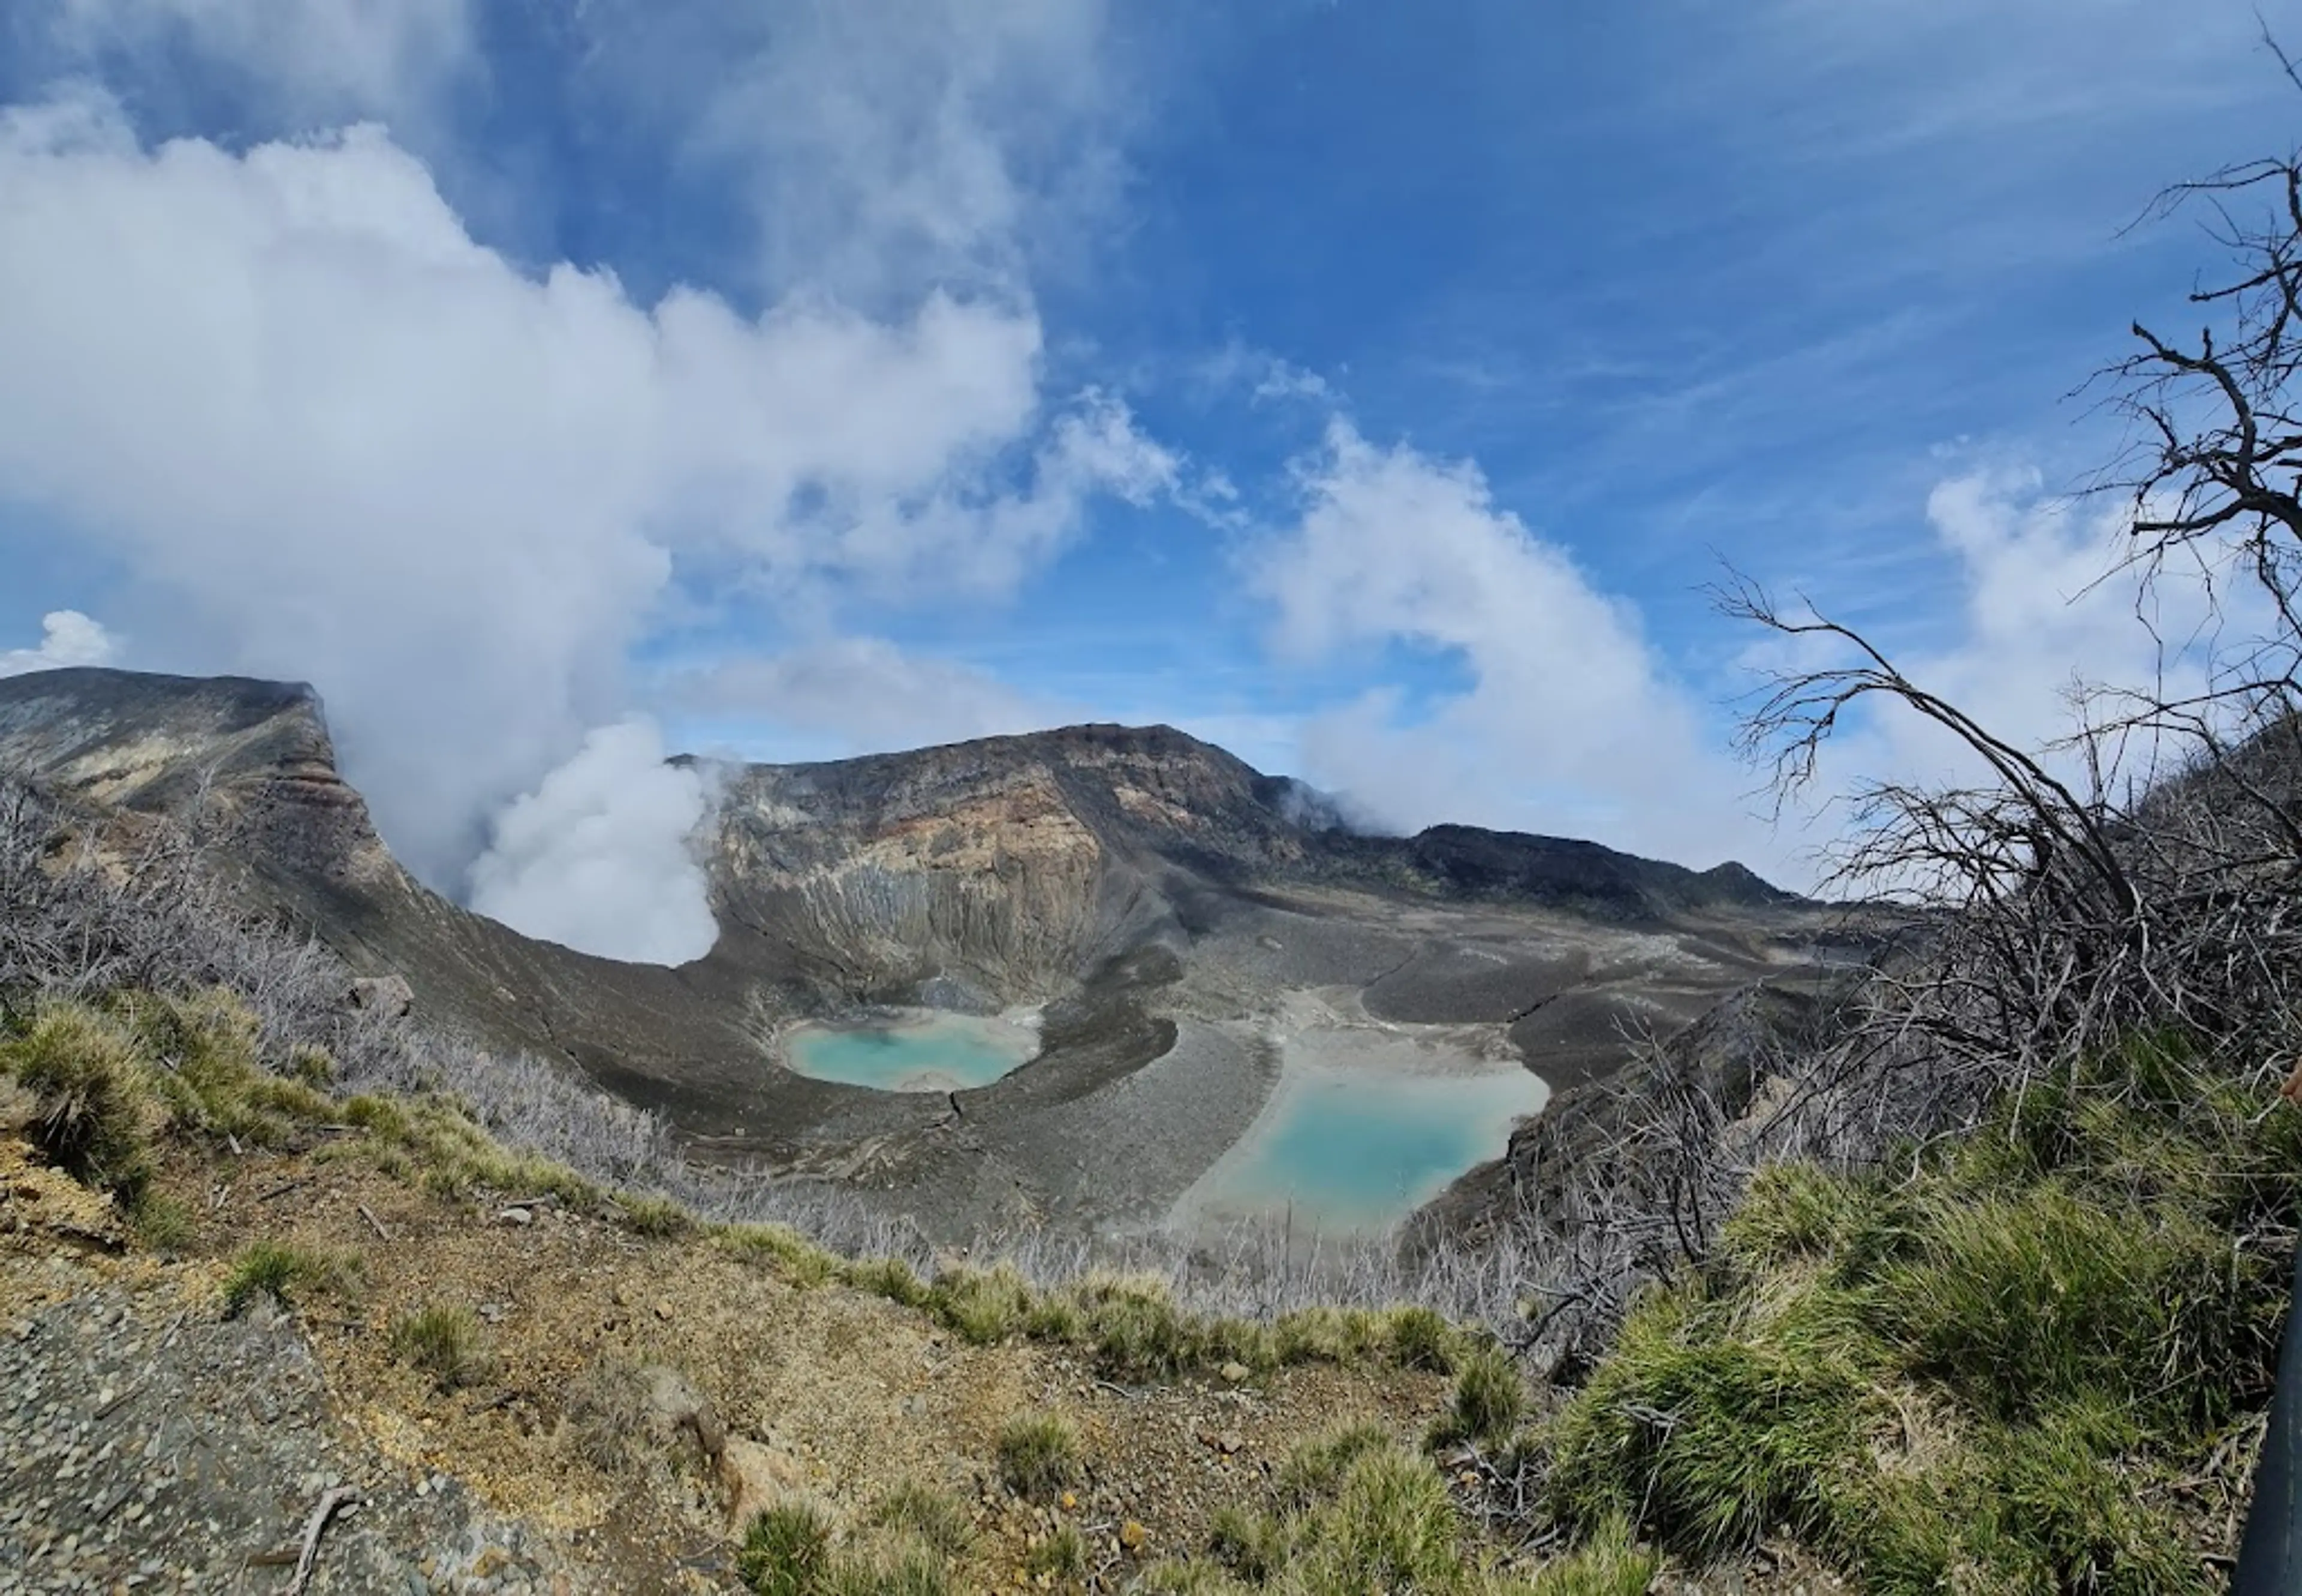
2140, 878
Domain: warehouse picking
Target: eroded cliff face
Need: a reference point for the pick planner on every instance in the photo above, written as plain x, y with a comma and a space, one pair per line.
990, 882
254, 759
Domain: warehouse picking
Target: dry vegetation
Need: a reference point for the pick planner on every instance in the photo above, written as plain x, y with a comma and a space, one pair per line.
1147, 1413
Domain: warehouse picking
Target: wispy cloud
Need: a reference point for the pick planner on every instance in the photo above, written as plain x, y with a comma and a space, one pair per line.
314, 60
851, 695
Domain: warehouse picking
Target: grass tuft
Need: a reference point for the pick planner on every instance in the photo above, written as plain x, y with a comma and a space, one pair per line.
793, 1256
606, 1411
982, 1305
900, 1567
1607, 1564
645, 1213
1420, 1338
786, 1549
1062, 1554
891, 1278
160, 1222
1134, 1325
1490, 1398
444, 1340
1254, 1546
1391, 1526
1038, 1454
1316, 1468
937, 1518
94, 1108
281, 1270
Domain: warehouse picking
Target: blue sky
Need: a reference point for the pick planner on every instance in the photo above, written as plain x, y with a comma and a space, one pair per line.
1369, 388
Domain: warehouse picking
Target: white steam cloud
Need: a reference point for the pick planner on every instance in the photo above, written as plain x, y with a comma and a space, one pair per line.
860, 694
598, 856
326, 435
67, 637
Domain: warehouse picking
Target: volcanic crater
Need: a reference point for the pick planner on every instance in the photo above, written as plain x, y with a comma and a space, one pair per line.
1194, 957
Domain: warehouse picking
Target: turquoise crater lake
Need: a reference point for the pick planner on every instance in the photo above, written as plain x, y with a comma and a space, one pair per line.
914, 1050
1365, 1124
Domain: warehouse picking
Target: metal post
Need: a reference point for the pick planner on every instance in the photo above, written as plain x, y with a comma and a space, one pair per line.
2270, 1556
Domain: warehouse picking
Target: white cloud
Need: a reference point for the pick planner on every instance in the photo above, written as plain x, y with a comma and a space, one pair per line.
858, 695
2046, 603
319, 57
1571, 722
1570, 725
67, 638
333, 439
598, 856
886, 145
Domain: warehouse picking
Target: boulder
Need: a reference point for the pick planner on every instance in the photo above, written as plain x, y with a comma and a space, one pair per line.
756, 1477
389, 995
674, 1409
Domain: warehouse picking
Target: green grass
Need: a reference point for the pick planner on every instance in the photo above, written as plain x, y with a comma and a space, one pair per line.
1062, 1554
937, 1518
787, 1549
1420, 1338
792, 1254
1326, 1334
897, 1567
282, 1271
207, 1064
160, 1222
1991, 1369
1316, 1468
1038, 1454
1490, 1398
445, 1150
1253, 1545
94, 1108
645, 1213
891, 1278
1135, 1327
794, 1549
1607, 1564
1355, 1511
981, 1306
445, 1341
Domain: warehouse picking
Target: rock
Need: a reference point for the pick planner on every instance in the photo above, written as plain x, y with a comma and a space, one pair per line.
389, 995
1230, 1442
673, 1407
517, 1217
755, 1476
1233, 1373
